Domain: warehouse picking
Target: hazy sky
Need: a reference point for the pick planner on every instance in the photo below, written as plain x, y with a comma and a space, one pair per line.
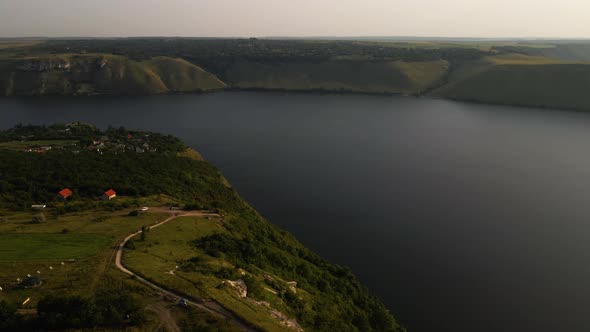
448, 18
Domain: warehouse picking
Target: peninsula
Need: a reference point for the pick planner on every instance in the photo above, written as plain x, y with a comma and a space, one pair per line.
121, 228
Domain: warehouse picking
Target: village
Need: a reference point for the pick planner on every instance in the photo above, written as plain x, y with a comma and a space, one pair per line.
104, 143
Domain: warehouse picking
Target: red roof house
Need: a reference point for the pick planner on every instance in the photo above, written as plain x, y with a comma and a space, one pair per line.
64, 194
110, 194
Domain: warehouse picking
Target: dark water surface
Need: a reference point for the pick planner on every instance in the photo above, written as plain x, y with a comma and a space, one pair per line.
460, 217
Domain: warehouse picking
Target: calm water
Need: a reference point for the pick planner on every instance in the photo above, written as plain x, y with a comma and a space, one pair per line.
460, 217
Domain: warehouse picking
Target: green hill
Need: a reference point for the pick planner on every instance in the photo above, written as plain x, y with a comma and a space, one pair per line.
101, 74
337, 75
522, 81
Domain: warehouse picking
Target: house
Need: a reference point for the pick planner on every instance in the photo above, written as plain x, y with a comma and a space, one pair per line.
109, 194
64, 194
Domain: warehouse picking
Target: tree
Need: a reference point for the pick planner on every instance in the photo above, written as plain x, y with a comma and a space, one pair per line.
143, 232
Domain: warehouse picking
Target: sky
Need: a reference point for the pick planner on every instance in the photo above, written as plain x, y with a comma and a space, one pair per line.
296, 18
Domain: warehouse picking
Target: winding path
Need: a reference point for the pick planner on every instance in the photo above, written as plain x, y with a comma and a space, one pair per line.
212, 307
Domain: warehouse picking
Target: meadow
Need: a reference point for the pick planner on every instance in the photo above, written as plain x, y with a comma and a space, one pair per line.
39, 247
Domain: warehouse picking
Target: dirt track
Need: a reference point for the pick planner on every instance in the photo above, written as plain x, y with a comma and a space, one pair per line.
209, 306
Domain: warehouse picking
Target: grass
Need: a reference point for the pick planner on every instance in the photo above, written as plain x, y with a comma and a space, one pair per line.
521, 59
181, 76
36, 247
191, 154
20, 145
18, 44
26, 248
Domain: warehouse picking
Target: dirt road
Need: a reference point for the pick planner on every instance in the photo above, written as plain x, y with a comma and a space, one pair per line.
209, 306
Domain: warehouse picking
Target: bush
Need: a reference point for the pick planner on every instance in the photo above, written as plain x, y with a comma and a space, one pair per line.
38, 218
255, 288
143, 232
108, 308
62, 312
65, 231
130, 245
133, 213
9, 319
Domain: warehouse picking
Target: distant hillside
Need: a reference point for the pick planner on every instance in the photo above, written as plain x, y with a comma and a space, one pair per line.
101, 74
566, 52
521, 81
338, 75
550, 74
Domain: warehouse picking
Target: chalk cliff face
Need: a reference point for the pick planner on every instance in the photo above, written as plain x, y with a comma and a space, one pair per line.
102, 74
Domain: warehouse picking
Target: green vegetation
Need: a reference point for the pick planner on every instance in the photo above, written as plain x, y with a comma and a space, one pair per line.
106, 308
38, 177
481, 71
69, 74
9, 319
521, 80
37, 247
71, 252
572, 51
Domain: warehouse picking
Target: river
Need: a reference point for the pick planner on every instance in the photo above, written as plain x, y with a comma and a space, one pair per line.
460, 217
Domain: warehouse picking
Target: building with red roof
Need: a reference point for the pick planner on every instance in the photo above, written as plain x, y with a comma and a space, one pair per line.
109, 194
65, 193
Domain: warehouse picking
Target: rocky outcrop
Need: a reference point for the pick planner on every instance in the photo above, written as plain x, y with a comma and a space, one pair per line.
239, 286
84, 64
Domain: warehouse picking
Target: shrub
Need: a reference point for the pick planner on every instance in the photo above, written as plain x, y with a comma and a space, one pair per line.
108, 308
38, 218
130, 245
133, 213
9, 319
143, 232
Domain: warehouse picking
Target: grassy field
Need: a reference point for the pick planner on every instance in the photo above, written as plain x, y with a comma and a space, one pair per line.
85, 246
38, 247
18, 44
21, 145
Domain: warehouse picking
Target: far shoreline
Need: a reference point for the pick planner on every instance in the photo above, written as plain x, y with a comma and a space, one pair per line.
297, 91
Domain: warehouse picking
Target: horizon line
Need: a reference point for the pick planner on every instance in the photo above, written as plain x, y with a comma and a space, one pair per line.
392, 37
